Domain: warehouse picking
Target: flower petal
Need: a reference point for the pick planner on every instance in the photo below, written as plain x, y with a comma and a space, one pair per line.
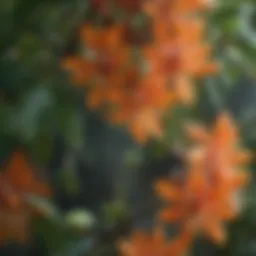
171, 214
167, 191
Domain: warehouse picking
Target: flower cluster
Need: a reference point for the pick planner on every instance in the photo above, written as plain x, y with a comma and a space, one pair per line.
135, 83
16, 182
208, 196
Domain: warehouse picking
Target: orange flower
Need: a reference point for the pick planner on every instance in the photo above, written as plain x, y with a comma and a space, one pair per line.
16, 182
218, 152
145, 123
180, 52
19, 175
142, 244
210, 194
104, 48
103, 54
196, 205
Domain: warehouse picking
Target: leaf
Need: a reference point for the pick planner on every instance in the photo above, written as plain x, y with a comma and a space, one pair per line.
75, 130
26, 120
44, 206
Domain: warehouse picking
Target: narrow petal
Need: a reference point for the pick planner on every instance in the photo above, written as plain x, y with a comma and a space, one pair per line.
167, 191
180, 245
195, 155
241, 178
226, 211
185, 90
171, 214
209, 68
225, 129
159, 236
215, 230
125, 248
242, 157
196, 132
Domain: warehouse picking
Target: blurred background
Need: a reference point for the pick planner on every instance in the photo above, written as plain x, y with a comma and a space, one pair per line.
99, 176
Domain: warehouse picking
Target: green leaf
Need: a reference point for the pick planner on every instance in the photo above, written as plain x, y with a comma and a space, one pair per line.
26, 119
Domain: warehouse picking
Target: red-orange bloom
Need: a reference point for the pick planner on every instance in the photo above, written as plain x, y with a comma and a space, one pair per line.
211, 192
142, 244
218, 152
16, 182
